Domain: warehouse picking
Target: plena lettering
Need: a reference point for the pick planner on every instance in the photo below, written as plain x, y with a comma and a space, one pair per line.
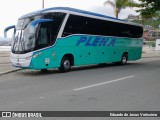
96, 41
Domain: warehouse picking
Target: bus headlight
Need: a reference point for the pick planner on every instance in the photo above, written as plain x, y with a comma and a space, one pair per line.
28, 58
36, 55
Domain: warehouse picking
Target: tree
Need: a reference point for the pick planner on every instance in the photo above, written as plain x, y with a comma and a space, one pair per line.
118, 5
149, 7
145, 17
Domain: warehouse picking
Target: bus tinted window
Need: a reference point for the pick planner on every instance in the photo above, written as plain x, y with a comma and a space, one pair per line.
48, 31
85, 25
75, 25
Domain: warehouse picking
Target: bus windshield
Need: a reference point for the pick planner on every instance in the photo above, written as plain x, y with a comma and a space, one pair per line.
43, 35
24, 39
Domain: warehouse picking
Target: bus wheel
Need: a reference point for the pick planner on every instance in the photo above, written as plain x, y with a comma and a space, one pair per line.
124, 59
65, 64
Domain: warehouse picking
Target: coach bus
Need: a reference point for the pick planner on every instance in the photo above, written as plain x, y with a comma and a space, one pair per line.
62, 37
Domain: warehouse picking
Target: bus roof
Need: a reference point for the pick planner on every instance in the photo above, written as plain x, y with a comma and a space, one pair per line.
68, 9
74, 10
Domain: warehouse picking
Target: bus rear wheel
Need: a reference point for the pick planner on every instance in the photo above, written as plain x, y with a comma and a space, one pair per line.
124, 59
65, 64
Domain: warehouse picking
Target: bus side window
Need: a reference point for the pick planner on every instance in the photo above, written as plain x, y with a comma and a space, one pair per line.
48, 31
54, 26
75, 25
43, 39
92, 26
43, 36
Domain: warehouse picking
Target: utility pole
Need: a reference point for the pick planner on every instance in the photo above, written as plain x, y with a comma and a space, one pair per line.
42, 3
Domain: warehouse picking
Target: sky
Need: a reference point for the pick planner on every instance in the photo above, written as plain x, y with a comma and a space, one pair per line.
11, 10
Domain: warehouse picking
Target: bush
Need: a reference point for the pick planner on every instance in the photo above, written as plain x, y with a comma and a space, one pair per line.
153, 44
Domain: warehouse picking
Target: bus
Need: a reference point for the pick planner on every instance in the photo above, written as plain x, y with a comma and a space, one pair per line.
63, 37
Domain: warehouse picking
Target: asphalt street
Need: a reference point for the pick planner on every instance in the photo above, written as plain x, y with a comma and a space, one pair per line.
133, 87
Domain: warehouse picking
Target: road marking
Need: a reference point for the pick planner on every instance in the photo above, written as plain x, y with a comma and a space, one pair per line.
41, 97
103, 83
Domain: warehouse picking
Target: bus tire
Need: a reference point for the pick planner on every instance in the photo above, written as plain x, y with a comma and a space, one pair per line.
65, 64
124, 59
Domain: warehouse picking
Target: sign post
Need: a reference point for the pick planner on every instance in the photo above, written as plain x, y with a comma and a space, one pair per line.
42, 3
157, 44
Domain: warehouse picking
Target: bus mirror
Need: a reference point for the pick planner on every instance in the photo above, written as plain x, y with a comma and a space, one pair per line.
8, 28
36, 22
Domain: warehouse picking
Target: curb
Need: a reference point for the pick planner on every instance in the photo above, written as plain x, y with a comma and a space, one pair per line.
9, 71
150, 56
5, 63
4, 56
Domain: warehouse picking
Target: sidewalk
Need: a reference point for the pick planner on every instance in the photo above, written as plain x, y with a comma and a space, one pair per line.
6, 67
150, 52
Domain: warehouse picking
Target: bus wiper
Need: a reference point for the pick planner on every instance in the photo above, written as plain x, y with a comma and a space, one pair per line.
15, 41
21, 41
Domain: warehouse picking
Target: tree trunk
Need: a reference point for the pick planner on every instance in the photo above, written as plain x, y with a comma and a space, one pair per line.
116, 13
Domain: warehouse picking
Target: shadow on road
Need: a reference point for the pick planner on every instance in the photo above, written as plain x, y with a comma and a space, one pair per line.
73, 69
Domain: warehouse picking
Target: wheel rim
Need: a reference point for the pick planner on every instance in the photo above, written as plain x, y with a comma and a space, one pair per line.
124, 59
66, 64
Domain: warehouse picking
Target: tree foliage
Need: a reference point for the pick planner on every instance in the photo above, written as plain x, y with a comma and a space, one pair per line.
149, 7
118, 5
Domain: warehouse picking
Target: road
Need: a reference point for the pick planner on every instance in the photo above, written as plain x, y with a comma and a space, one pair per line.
133, 87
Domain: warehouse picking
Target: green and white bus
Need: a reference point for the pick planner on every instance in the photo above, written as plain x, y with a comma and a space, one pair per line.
62, 37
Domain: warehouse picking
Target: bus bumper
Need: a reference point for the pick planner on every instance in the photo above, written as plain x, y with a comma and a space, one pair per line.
21, 61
